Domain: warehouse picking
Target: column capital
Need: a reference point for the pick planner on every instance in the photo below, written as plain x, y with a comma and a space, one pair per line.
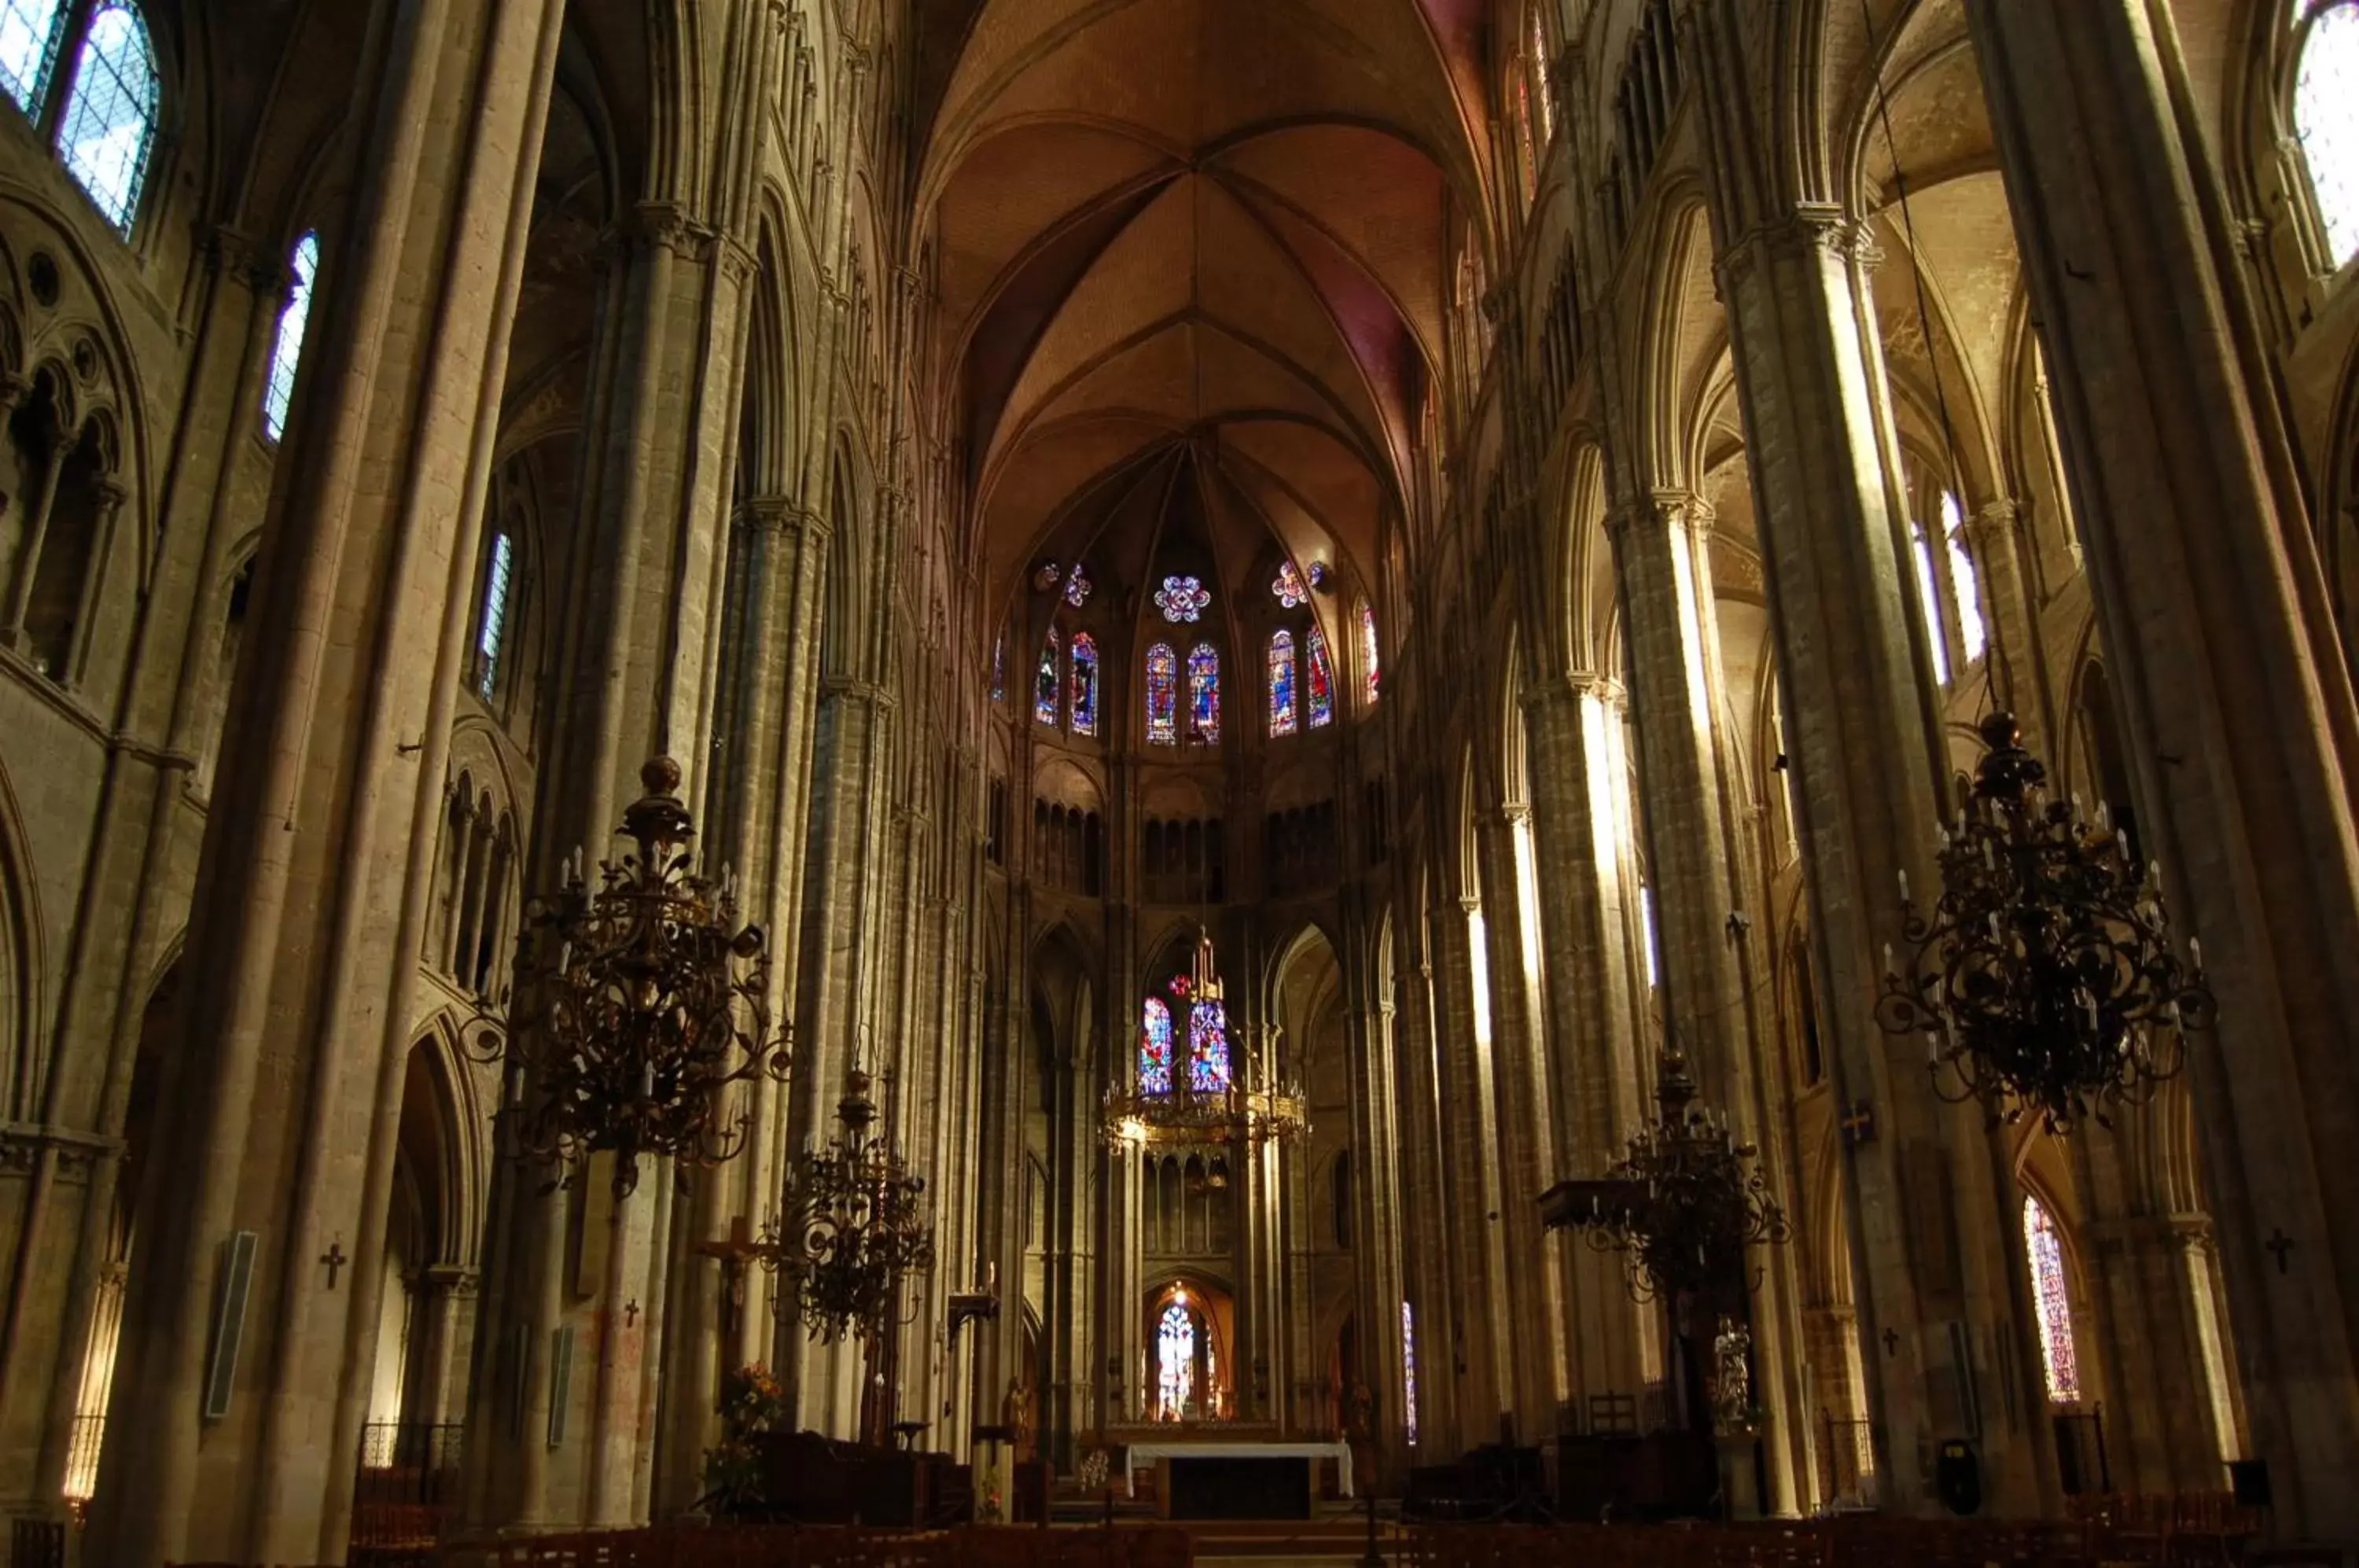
1670, 507
649, 225
1574, 686
1994, 522
783, 515
1807, 228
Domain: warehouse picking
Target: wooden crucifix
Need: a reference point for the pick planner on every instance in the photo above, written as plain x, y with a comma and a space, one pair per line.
335, 1259
2280, 1244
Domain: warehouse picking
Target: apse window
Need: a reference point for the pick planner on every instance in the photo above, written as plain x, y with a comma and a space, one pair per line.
1044, 685
1321, 683
2326, 118
1084, 704
1965, 585
1162, 695
108, 129
1929, 591
1282, 683
1204, 695
1368, 672
31, 32
287, 354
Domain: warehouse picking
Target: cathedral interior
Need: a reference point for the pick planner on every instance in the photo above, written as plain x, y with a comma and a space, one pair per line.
1280, 627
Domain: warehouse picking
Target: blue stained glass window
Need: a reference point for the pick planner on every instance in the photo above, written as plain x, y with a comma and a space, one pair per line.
1208, 1048
109, 125
1155, 1047
287, 354
496, 581
1281, 682
1288, 586
31, 33
999, 665
1322, 679
1045, 685
1175, 1361
1182, 599
1162, 695
1077, 586
1085, 684
1204, 695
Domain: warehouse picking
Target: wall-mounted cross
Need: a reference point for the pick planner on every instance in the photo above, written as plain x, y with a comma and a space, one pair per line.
631, 1315
1891, 1342
335, 1259
2280, 1244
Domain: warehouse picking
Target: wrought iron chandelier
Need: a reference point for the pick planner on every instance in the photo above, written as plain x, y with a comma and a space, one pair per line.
1681, 1207
854, 1224
2044, 979
1215, 1110
637, 1004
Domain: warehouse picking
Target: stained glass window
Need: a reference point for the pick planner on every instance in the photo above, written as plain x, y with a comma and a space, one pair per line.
1646, 928
1162, 695
31, 33
1966, 587
1208, 1047
109, 125
496, 615
287, 354
1182, 599
1929, 589
1288, 587
1085, 684
1368, 651
1321, 679
1175, 1361
1204, 695
1281, 682
999, 665
1045, 685
1077, 586
1409, 1371
2326, 118
2055, 1303
1155, 1047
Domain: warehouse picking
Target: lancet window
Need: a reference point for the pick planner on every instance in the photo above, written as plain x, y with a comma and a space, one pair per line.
1281, 682
1154, 1046
1368, 668
1320, 695
1204, 695
1162, 695
1084, 682
287, 352
2326, 119
2053, 1300
1045, 684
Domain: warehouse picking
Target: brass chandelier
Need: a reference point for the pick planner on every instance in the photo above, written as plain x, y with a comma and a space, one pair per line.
1230, 1107
853, 1226
2044, 980
637, 1004
1681, 1207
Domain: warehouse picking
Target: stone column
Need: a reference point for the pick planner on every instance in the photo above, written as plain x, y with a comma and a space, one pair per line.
1425, 1232
313, 884
1536, 1306
1377, 1222
843, 902
1468, 1218
1936, 1248
2244, 733
1570, 730
1663, 549
1995, 535
435, 1383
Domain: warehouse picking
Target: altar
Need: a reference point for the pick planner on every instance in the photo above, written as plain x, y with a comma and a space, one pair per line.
1243, 1478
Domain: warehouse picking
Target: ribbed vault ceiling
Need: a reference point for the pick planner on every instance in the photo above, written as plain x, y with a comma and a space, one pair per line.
1192, 244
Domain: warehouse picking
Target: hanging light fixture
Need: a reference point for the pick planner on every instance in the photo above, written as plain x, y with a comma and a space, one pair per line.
637, 1004
2044, 980
1207, 1110
1681, 1207
852, 1224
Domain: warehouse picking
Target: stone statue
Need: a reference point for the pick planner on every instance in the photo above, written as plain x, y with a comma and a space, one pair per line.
1015, 1415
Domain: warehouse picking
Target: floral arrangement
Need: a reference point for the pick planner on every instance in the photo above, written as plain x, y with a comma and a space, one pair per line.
751, 1403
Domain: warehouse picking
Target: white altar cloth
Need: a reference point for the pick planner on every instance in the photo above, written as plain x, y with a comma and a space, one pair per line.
1149, 1453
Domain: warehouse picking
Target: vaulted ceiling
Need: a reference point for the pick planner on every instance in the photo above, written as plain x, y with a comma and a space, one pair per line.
1192, 237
